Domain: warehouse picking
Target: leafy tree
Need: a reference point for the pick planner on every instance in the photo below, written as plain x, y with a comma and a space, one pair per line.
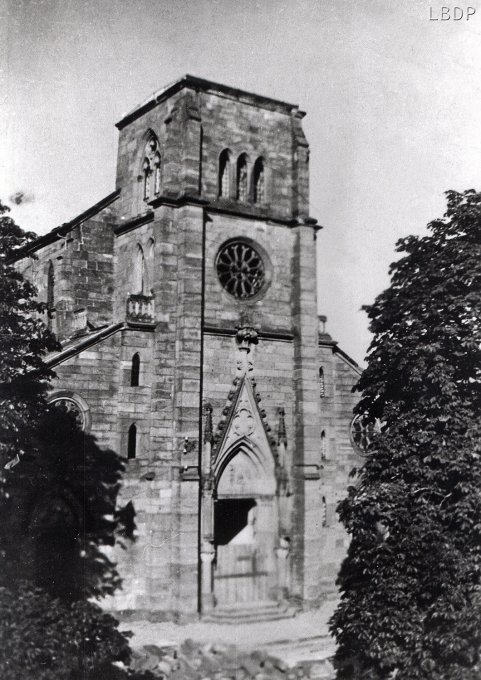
61, 510
410, 586
58, 493
24, 341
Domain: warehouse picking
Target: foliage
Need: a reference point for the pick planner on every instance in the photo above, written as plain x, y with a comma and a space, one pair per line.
55, 639
59, 524
24, 341
410, 586
58, 507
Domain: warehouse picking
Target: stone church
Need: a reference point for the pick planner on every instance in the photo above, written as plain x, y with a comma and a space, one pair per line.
185, 302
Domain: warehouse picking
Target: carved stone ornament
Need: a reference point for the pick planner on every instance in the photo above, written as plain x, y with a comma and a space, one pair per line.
246, 336
243, 422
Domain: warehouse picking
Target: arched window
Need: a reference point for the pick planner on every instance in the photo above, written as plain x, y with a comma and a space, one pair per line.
151, 165
146, 172
323, 445
157, 175
224, 174
135, 370
259, 181
139, 271
50, 293
322, 385
150, 266
242, 178
132, 442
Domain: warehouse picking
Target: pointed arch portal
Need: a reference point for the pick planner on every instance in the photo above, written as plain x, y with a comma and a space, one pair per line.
245, 511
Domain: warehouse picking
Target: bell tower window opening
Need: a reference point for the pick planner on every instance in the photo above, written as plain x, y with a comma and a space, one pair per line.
259, 181
224, 174
240, 269
132, 442
242, 192
135, 371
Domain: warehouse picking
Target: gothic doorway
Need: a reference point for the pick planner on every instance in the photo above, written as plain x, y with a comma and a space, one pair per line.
245, 532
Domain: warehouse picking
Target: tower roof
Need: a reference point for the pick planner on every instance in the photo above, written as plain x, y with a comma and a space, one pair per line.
200, 84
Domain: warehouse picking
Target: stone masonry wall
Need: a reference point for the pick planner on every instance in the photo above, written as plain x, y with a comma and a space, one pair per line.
337, 460
83, 265
193, 128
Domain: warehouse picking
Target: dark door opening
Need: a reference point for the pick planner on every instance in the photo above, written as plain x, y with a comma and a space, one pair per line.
230, 517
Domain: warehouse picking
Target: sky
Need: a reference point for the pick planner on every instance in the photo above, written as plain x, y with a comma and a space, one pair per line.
392, 97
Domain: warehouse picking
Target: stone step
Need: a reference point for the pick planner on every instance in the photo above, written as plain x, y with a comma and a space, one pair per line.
269, 611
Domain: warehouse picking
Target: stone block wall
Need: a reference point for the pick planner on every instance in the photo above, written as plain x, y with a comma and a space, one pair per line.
272, 311
83, 265
193, 126
338, 457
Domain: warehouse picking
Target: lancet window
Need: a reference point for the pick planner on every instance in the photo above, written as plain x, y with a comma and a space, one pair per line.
135, 370
224, 174
242, 189
139, 283
132, 442
259, 181
151, 169
322, 384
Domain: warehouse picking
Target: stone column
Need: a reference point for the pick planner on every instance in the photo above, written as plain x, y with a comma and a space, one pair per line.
282, 553
306, 540
207, 554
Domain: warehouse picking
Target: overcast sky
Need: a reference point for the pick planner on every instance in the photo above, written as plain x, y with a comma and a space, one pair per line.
392, 100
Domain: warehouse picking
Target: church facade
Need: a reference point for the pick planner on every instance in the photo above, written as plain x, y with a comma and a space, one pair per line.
186, 306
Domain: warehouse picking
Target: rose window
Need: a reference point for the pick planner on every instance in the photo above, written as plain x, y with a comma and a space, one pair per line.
363, 431
240, 270
70, 406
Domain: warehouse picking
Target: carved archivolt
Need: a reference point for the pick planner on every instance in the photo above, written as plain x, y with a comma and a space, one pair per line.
245, 438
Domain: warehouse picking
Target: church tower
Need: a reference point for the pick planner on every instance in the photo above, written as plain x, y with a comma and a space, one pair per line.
186, 304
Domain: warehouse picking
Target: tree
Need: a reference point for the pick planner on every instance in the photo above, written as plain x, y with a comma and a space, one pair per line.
411, 583
58, 495
24, 341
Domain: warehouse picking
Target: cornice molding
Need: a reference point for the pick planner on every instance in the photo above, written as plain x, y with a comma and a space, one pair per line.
133, 223
284, 335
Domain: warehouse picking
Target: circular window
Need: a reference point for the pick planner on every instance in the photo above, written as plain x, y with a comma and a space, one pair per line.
69, 405
240, 269
363, 431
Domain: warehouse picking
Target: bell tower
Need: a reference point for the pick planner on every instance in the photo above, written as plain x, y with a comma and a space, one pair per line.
225, 173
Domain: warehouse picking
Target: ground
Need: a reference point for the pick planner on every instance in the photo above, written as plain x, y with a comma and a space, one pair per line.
295, 647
